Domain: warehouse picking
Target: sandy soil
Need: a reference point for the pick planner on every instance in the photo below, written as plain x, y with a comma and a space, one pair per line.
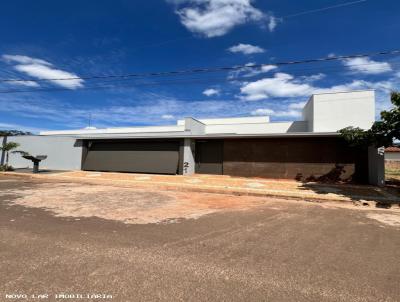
387, 219
325, 191
128, 205
249, 249
139, 206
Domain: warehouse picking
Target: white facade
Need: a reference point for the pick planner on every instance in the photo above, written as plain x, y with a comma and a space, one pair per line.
323, 113
330, 112
63, 153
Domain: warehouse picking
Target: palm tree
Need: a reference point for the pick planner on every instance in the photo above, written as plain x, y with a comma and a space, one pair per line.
7, 147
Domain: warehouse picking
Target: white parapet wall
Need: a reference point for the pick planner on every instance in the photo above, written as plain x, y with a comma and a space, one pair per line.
248, 125
330, 112
260, 128
116, 131
63, 153
231, 120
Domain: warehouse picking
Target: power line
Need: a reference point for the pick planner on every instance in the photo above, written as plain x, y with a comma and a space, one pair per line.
187, 80
208, 69
322, 9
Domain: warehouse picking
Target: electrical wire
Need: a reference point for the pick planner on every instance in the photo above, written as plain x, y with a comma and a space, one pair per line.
322, 9
209, 69
186, 80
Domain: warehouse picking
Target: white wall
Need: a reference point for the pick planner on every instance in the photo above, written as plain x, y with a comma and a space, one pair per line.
231, 120
122, 130
308, 114
194, 126
63, 153
189, 146
395, 156
280, 127
334, 111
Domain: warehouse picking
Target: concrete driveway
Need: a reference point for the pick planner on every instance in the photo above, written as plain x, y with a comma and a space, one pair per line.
123, 244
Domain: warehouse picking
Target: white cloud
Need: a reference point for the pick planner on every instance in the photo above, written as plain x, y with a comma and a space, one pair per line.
167, 117
19, 127
211, 92
262, 111
41, 69
266, 68
246, 49
279, 113
285, 85
250, 71
272, 23
367, 66
361, 84
46, 72
147, 109
24, 60
281, 85
313, 78
24, 83
299, 105
213, 18
288, 113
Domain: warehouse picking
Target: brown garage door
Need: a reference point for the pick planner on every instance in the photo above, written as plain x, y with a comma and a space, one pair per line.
293, 158
132, 156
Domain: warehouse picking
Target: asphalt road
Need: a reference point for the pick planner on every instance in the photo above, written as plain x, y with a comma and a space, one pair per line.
278, 251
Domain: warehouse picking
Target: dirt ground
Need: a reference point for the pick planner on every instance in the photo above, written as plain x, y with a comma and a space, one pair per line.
67, 239
127, 205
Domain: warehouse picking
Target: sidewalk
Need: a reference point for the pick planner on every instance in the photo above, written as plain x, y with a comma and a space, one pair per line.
222, 184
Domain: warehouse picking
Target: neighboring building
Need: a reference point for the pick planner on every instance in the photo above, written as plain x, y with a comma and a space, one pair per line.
392, 154
244, 146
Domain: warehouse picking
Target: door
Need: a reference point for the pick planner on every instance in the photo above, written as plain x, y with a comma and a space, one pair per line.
132, 156
209, 157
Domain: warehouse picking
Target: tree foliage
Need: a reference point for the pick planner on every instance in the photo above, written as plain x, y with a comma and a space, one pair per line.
14, 133
10, 147
382, 133
7, 147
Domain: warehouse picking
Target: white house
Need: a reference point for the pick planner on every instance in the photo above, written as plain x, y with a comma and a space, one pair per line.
243, 146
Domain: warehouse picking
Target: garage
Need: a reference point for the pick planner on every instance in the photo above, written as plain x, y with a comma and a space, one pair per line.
138, 156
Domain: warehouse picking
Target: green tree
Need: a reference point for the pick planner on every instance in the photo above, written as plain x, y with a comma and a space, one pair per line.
382, 133
10, 147
13, 133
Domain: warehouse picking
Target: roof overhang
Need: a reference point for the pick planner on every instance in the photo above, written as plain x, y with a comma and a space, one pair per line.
207, 136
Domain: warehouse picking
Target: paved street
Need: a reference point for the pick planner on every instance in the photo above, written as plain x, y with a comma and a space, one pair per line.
64, 237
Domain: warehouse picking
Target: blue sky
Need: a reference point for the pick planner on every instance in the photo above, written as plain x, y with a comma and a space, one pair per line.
62, 39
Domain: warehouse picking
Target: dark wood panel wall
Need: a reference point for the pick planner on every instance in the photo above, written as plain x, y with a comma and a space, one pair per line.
307, 158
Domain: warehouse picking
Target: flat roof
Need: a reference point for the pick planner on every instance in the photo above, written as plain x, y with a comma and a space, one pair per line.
205, 136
